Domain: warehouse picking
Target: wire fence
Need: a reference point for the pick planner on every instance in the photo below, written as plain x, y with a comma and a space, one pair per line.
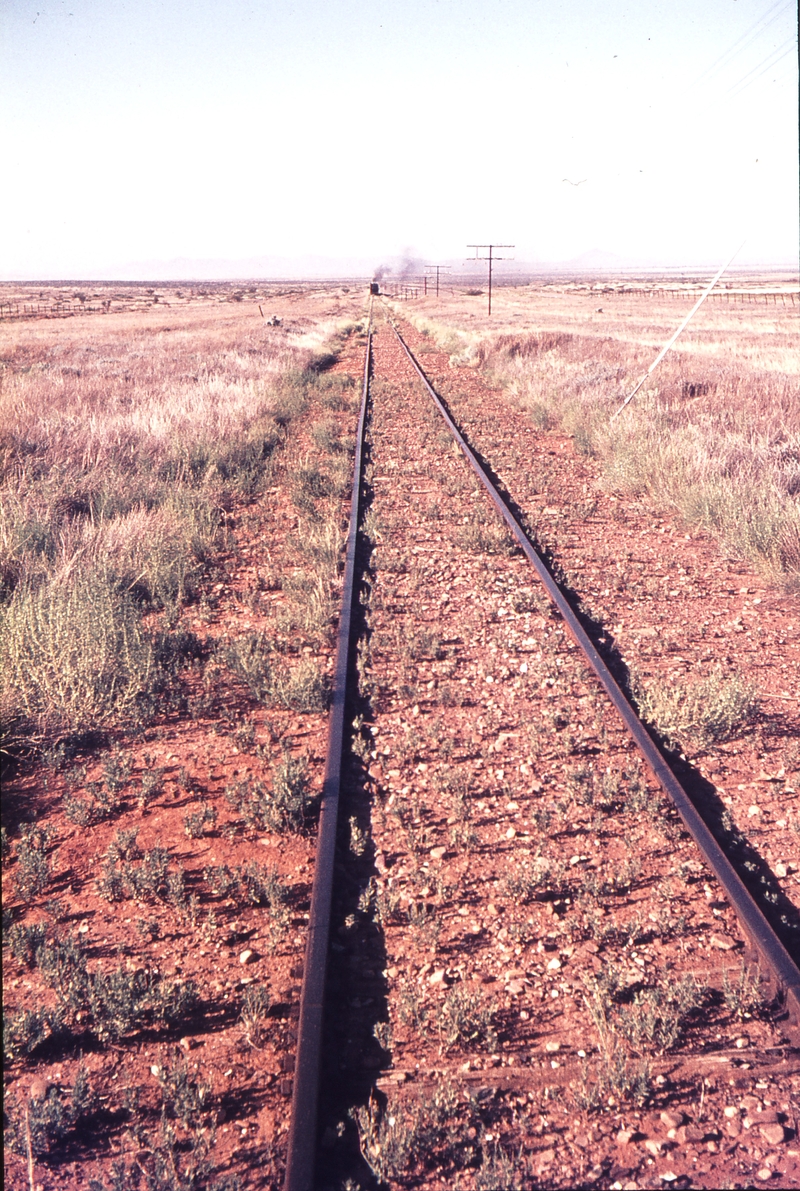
63, 308
411, 288
476, 286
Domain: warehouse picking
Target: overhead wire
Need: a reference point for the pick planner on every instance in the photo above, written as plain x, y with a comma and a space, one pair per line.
746, 39
763, 67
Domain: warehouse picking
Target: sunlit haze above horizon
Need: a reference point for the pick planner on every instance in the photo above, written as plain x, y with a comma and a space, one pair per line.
142, 133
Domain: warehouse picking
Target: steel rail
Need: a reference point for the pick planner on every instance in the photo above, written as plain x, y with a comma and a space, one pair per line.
302, 1150
775, 960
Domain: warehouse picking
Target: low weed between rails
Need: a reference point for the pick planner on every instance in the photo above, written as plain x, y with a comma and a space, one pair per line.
633, 1027
450, 1134
715, 435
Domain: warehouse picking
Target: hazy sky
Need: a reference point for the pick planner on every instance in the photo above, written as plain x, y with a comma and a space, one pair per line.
145, 130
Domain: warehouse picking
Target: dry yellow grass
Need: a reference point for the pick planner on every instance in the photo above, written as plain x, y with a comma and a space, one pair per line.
125, 437
714, 434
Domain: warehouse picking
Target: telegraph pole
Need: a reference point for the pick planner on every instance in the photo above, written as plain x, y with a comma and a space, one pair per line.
490, 258
438, 268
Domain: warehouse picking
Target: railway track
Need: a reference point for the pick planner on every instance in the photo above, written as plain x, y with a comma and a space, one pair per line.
522, 882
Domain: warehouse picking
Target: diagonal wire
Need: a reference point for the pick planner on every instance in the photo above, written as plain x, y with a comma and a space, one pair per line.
685, 322
762, 68
747, 38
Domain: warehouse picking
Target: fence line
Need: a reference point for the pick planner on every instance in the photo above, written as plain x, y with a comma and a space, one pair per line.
66, 308
403, 292
62, 309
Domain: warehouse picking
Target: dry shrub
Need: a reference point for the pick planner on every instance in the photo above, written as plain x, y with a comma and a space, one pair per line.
522, 346
712, 709
74, 656
298, 688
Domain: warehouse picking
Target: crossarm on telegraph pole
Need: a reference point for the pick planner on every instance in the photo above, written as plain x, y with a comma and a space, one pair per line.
490, 258
430, 269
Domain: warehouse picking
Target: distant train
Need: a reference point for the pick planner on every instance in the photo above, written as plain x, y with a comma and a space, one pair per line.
374, 287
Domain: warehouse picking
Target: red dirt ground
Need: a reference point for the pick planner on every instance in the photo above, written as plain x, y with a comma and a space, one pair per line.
481, 736
486, 745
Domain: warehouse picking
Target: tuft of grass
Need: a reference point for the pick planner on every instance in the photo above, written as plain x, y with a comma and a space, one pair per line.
653, 1021
712, 709
300, 688
310, 484
74, 657
256, 1003
326, 437
422, 643
307, 605
46, 1121
283, 808
499, 1168
321, 542
535, 879
626, 1079
431, 1131
249, 657
742, 993
479, 538
33, 866
464, 1019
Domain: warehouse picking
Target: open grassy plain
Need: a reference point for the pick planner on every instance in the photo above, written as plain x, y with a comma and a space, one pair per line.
676, 525
173, 483
713, 436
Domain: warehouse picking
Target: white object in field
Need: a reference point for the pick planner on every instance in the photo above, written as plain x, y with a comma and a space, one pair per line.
685, 322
